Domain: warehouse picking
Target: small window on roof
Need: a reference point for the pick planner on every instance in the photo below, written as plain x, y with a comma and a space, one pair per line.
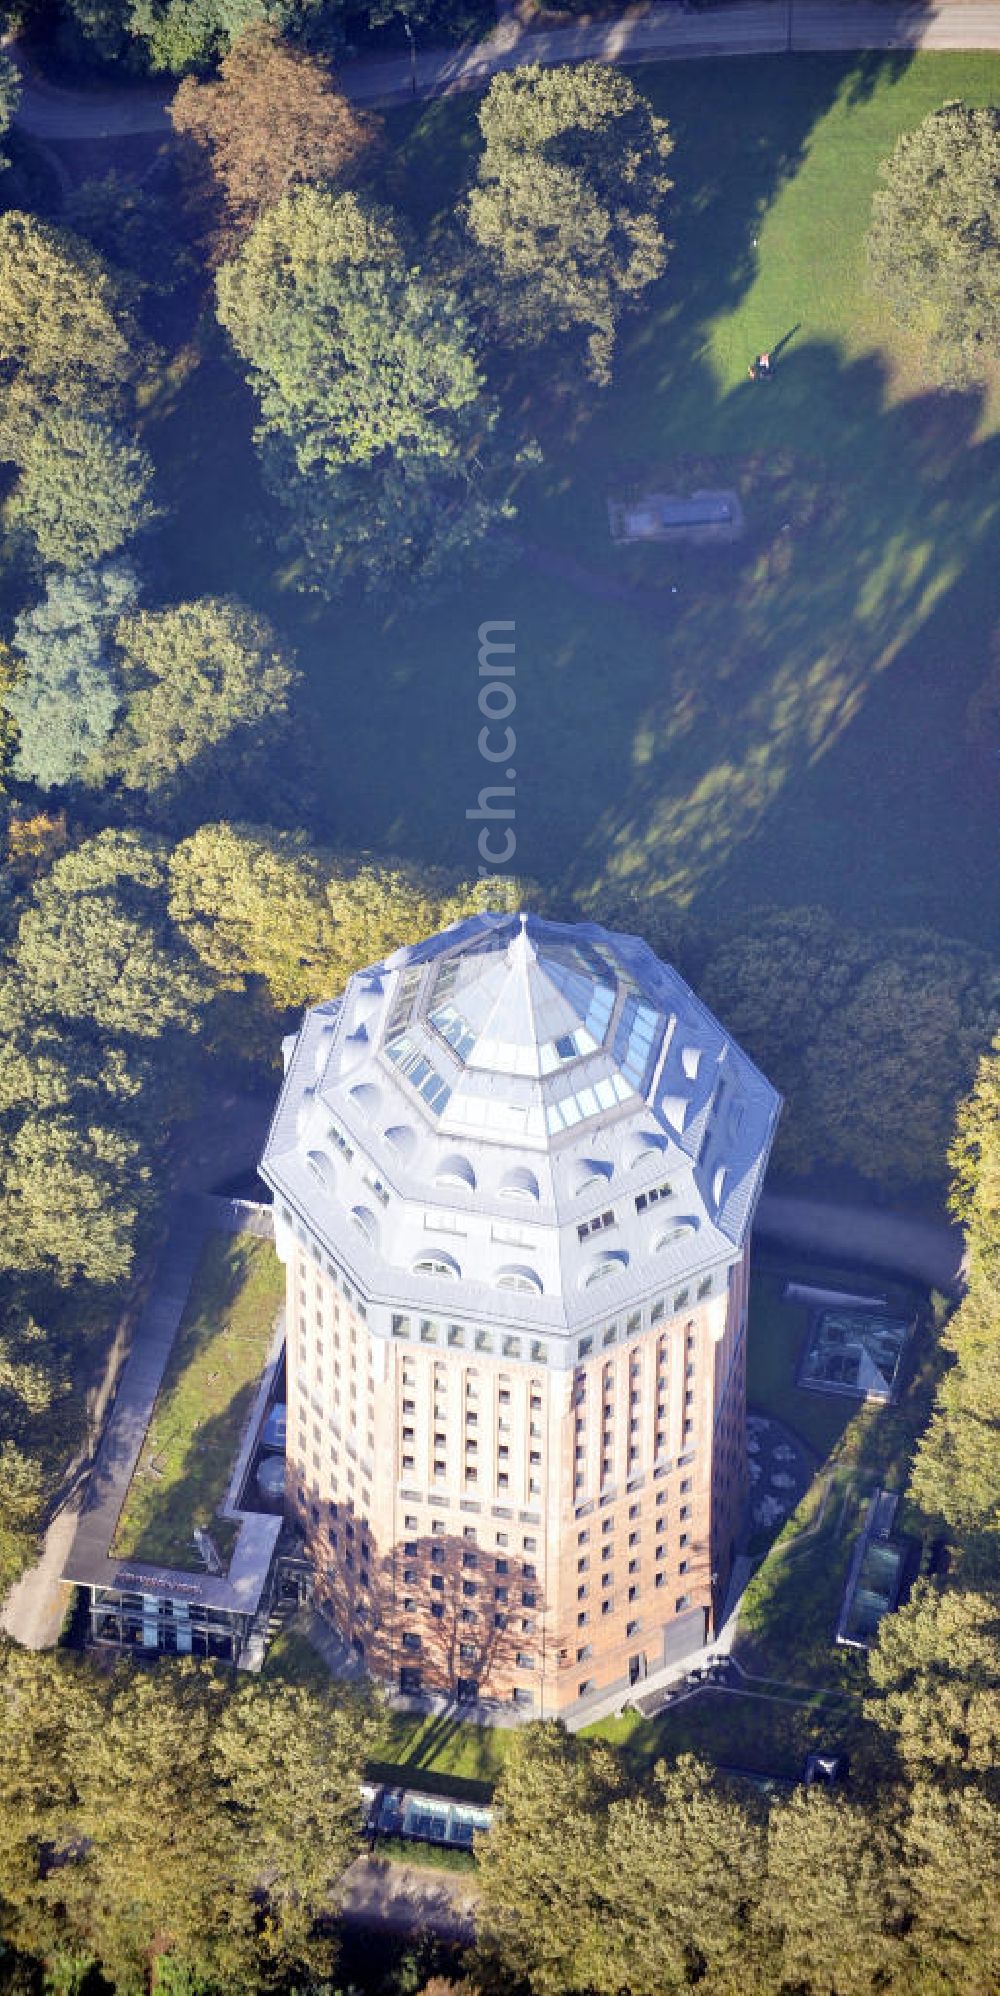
321, 1166
591, 1175
402, 1139
674, 1233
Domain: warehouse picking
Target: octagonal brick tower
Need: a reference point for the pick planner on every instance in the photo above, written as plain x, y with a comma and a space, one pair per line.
514, 1170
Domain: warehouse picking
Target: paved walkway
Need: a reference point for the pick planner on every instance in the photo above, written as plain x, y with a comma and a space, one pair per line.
660, 33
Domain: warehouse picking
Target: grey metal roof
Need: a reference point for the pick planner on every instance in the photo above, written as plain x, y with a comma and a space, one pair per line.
477, 1099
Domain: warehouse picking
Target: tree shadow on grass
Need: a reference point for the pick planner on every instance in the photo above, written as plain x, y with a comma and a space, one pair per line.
765, 666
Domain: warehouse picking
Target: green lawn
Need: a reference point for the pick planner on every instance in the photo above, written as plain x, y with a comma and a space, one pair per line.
204, 1399
732, 1729
790, 725
443, 1754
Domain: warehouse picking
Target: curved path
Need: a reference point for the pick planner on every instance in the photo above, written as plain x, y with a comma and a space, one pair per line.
659, 33
902, 1244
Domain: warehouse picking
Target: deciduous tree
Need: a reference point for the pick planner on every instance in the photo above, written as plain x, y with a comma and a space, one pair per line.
68, 689
359, 362
68, 336
293, 1760
84, 490
160, 1856
934, 240
831, 1897
272, 121
936, 1673
206, 690
72, 1198
569, 203
951, 1849
97, 944
10, 97
251, 902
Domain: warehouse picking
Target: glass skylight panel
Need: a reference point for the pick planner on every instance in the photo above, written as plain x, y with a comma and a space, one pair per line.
582, 983
446, 979
639, 1034
569, 1046
586, 1102
406, 991
456, 1030
406, 1055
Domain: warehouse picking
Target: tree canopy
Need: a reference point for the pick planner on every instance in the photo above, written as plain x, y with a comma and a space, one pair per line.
272, 120
84, 490
353, 354
871, 1039
361, 365
10, 96
934, 240
68, 689
956, 1472
205, 688
568, 207
259, 904
68, 336
97, 945
936, 1676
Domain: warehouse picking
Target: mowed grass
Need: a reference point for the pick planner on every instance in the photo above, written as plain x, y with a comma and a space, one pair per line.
204, 1399
790, 725
752, 1732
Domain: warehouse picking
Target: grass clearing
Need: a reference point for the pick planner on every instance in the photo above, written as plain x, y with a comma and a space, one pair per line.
202, 1406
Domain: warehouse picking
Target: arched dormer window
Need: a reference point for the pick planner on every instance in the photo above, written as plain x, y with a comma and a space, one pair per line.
321, 1166
367, 1225
402, 1139
519, 1184
591, 1174
441, 1265
675, 1232
602, 1267
455, 1171
523, 1281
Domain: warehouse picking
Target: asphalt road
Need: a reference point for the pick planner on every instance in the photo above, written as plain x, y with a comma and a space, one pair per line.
662, 33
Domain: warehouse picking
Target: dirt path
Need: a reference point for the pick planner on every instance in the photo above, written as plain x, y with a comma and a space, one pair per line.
660, 33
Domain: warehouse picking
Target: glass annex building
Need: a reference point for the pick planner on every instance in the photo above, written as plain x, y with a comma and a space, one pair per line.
515, 1169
